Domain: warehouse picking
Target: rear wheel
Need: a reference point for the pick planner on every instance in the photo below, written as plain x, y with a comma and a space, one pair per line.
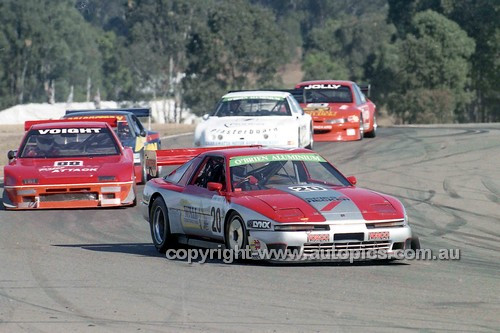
235, 233
373, 133
160, 226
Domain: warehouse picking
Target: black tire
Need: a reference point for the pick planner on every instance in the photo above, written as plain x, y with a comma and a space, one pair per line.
415, 243
160, 226
235, 233
361, 128
311, 144
373, 133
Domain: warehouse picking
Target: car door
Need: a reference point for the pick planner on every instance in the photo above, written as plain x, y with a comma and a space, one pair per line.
203, 211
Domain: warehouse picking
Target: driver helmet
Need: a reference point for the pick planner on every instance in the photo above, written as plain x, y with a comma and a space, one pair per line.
45, 142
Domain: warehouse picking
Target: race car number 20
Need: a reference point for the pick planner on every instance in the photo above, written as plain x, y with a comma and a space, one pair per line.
216, 220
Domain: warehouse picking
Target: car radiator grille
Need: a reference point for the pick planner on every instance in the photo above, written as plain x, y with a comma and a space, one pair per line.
68, 197
309, 248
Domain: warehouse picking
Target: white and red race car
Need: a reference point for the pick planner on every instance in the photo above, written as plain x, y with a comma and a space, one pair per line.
267, 198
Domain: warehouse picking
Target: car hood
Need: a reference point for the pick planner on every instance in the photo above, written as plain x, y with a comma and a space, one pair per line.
66, 170
329, 110
307, 202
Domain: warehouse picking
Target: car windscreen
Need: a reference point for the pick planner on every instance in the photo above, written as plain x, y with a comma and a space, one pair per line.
340, 95
260, 172
68, 142
252, 107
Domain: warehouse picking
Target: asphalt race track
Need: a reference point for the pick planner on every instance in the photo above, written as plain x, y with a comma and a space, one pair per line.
96, 271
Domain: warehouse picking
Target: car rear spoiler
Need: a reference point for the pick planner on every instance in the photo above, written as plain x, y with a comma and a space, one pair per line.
138, 112
165, 157
27, 124
365, 89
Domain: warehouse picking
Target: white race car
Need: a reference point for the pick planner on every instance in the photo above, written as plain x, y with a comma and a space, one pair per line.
268, 118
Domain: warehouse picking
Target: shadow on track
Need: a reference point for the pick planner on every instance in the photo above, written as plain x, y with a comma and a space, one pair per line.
148, 250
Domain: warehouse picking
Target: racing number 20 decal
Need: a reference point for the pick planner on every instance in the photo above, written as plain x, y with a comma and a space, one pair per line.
216, 220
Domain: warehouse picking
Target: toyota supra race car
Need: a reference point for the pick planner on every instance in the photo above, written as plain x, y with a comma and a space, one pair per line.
69, 164
268, 118
268, 198
340, 110
130, 131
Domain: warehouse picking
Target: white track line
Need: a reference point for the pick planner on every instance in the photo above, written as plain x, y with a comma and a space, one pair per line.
176, 135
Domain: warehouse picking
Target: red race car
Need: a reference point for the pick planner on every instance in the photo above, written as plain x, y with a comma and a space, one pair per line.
267, 198
340, 110
69, 164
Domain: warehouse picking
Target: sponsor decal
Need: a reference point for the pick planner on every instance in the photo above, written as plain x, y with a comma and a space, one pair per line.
242, 131
307, 188
258, 224
255, 245
323, 127
118, 118
242, 160
275, 98
66, 170
323, 199
68, 163
69, 130
318, 238
323, 86
379, 235
351, 131
320, 113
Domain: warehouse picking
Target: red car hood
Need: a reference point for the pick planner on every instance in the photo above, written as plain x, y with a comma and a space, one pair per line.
320, 203
329, 110
66, 170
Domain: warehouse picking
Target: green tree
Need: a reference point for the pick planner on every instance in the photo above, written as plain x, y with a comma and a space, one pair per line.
433, 57
238, 46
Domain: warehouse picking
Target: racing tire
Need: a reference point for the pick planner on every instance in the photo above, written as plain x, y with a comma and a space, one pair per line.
311, 141
361, 128
160, 226
373, 133
415, 243
235, 233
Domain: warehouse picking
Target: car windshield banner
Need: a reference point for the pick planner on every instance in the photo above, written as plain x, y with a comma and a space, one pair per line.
242, 160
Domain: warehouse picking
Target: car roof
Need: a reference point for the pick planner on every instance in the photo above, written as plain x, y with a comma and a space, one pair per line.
70, 124
248, 151
343, 82
257, 93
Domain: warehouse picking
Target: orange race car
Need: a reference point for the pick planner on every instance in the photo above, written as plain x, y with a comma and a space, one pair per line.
340, 110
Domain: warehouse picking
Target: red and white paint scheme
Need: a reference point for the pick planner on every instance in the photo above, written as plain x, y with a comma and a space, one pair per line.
339, 109
267, 198
69, 164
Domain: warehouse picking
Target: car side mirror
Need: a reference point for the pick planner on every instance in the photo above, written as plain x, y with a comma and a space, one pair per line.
143, 133
11, 154
212, 186
206, 116
352, 180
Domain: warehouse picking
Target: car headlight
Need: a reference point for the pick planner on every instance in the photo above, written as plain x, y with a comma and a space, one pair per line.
137, 158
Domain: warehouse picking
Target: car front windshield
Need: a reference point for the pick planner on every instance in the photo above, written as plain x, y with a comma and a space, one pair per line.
340, 95
261, 172
68, 142
252, 107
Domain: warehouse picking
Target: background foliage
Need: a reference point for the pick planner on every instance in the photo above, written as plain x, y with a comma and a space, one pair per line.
428, 61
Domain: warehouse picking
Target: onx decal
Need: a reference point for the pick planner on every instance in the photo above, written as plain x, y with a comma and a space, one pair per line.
68, 163
258, 224
70, 131
307, 188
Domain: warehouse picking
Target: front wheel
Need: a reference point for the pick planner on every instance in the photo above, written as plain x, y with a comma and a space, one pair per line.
160, 226
235, 233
